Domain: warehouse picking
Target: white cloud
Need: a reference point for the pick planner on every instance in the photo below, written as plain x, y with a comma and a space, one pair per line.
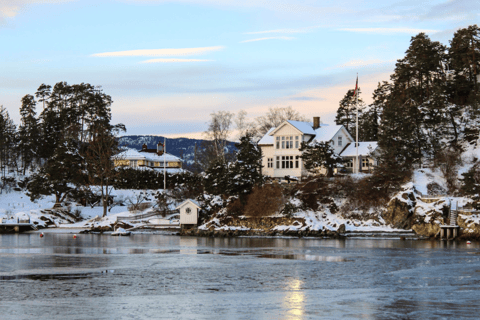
268, 38
360, 63
159, 52
287, 31
388, 30
173, 60
10, 8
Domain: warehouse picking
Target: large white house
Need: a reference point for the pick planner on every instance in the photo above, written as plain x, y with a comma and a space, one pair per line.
280, 146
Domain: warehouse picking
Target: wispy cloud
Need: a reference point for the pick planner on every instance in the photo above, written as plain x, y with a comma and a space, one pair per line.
173, 60
388, 30
360, 63
268, 38
10, 8
159, 52
285, 31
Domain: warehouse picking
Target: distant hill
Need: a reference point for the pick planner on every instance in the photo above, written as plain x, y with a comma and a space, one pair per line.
183, 148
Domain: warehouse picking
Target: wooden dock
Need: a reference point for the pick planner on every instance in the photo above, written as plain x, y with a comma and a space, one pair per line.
450, 231
18, 225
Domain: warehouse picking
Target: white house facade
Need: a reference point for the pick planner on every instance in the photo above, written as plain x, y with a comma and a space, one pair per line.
280, 146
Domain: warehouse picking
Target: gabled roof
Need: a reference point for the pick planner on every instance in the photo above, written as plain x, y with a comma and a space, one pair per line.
326, 133
187, 201
267, 139
365, 148
303, 127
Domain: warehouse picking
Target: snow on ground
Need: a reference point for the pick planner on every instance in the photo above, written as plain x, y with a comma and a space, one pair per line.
17, 205
317, 221
425, 176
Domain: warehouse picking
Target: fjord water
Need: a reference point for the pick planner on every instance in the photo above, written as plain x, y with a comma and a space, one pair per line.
149, 276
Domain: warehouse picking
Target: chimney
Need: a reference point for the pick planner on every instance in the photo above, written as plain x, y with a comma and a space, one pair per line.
160, 149
316, 123
144, 147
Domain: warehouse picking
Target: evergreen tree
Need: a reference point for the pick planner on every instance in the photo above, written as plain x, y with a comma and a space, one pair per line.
28, 132
464, 54
316, 155
347, 111
61, 174
246, 171
217, 178
7, 142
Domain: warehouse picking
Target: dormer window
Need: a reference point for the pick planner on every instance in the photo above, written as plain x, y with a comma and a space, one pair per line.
339, 141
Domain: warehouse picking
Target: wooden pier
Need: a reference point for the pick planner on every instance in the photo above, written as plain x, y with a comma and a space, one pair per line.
18, 225
450, 231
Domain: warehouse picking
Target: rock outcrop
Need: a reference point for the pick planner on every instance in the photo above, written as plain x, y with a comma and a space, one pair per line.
400, 210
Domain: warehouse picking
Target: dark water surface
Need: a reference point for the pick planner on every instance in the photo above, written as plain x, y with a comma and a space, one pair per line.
169, 277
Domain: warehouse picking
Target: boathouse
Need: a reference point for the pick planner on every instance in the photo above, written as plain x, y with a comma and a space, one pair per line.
189, 210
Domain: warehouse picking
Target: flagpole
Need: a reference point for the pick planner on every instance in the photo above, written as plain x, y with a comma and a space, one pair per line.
356, 127
164, 164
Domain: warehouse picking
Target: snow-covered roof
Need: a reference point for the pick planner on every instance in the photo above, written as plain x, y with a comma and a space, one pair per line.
267, 138
132, 154
155, 157
326, 133
364, 149
304, 127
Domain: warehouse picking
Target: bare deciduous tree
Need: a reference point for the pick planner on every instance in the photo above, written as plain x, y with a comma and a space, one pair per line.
275, 116
218, 131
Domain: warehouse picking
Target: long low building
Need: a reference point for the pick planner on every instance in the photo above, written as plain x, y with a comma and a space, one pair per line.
154, 159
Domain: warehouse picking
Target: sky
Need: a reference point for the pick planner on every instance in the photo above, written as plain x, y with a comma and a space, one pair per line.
169, 64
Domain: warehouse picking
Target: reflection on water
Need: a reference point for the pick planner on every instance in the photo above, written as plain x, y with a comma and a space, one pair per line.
294, 299
169, 277
307, 257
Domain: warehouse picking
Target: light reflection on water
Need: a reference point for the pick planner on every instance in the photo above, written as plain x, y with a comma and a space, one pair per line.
59, 277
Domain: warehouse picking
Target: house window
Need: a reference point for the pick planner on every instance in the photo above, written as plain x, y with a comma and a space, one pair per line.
287, 162
278, 142
297, 159
296, 142
278, 162
339, 141
270, 163
133, 163
283, 142
365, 163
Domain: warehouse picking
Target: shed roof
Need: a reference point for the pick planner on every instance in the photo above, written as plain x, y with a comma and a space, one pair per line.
194, 202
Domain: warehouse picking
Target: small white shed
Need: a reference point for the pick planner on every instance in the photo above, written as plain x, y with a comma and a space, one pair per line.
189, 212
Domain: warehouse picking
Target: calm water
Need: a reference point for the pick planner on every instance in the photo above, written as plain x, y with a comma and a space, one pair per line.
170, 277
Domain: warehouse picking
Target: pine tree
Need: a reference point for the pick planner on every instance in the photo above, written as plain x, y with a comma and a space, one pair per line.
7, 141
347, 111
316, 155
246, 171
28, 132
61, 174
